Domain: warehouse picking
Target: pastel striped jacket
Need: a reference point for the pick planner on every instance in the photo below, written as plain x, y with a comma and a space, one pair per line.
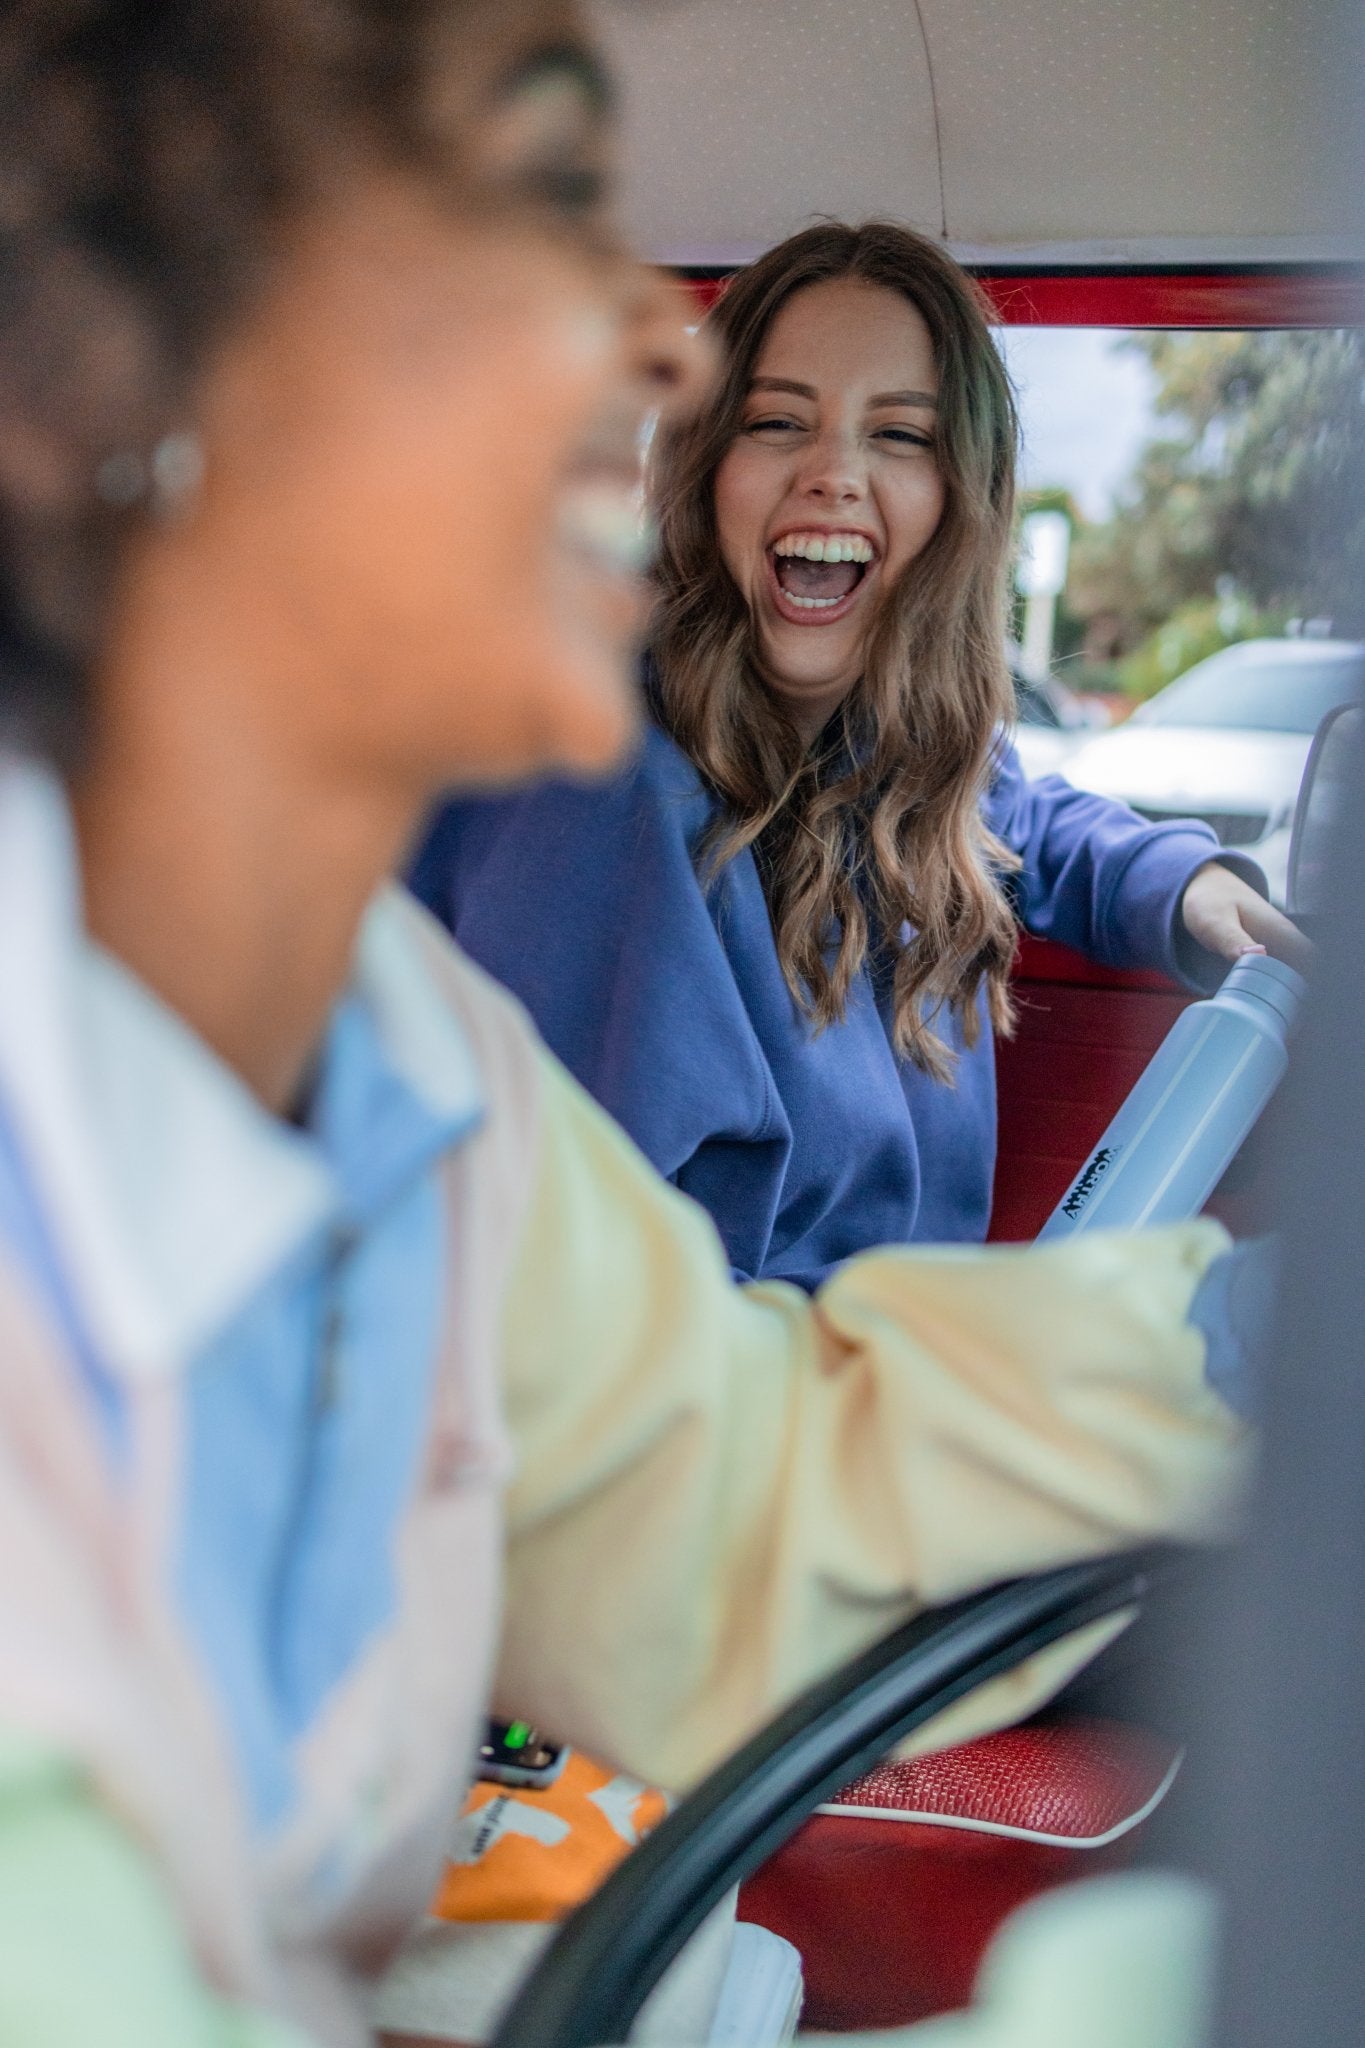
633, 1502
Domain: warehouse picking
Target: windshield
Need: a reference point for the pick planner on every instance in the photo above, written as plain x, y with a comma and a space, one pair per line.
1264, 688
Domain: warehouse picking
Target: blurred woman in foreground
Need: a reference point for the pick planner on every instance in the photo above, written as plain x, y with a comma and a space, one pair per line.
321, 385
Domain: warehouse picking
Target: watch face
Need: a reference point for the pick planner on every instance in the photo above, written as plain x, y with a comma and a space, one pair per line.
519, 1743
515, 1752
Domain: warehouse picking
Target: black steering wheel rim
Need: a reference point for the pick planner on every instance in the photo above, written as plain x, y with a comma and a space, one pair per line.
610, 1953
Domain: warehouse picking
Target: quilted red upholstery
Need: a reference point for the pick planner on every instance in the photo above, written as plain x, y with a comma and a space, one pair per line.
1077, 1780
892, 1912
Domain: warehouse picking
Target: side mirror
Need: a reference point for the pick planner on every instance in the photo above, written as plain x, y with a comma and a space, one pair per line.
1326, 775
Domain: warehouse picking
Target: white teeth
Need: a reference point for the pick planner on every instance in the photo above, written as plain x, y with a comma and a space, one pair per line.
822, 547
609, 524
812, 604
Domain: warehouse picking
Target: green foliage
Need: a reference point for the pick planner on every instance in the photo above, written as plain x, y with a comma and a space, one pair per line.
1195, 629
1248, 509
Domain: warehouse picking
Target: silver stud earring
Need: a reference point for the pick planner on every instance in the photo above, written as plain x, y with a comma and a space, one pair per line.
177, 474
167, 482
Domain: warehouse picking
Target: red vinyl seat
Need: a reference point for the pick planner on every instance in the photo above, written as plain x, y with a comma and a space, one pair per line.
893, 1891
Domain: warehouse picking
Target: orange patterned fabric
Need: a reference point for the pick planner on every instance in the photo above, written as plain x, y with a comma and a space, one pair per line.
520, 1854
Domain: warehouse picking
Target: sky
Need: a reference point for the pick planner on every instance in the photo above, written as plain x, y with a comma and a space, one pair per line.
1086, 406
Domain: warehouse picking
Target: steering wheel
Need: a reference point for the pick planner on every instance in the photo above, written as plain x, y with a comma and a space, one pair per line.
610, 1953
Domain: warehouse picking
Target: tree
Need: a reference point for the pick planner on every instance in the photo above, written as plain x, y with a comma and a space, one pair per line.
1246, 510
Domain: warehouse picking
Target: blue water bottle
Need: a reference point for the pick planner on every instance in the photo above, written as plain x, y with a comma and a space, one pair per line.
1201, 1093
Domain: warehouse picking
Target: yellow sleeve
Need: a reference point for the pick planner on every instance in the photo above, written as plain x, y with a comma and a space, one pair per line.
721, 1492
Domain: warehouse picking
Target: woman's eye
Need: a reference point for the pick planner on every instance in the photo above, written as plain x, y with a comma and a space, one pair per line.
773, 425
905, 437
548, 139
570, 189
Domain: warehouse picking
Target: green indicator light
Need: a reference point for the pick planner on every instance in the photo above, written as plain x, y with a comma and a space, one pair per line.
518, 1735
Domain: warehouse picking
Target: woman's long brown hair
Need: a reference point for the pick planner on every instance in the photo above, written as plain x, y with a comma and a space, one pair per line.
878, 826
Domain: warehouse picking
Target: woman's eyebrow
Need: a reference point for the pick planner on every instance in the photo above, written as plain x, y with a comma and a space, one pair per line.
789, 384
783, 384
568, 62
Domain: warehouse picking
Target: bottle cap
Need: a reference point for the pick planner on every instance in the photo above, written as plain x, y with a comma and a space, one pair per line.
1266, 981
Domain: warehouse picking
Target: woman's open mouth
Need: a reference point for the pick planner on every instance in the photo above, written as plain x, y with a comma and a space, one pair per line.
603, 548
604, 522
816, 576
602, 519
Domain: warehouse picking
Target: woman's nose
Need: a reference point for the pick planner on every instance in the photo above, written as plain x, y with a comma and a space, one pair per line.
674, 360
834, 470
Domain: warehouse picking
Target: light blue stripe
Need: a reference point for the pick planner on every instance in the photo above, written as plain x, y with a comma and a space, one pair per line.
306, 1424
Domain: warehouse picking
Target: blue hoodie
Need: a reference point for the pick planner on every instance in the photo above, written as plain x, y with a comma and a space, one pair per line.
668, 1003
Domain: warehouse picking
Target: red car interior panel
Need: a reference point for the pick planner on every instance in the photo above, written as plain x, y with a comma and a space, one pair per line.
1083, 1036
893, 1892
1327, 295
1306, 295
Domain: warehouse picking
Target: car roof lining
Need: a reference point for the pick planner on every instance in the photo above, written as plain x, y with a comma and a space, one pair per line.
1046, 132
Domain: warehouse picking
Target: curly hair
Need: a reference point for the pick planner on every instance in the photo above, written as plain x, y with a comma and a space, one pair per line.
878, 826
153, 150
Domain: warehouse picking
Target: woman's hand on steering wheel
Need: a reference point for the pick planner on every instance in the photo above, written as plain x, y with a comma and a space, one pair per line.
1227, 917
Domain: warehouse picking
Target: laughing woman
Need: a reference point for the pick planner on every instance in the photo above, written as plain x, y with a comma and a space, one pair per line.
778, 948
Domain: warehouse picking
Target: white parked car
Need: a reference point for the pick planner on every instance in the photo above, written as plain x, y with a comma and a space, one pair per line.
1227, 742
